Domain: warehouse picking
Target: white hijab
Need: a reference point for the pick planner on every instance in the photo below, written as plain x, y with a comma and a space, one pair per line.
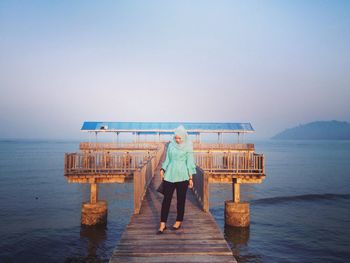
186, 143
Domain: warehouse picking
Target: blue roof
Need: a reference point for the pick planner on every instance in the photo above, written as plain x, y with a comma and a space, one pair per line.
162, 132
166, 127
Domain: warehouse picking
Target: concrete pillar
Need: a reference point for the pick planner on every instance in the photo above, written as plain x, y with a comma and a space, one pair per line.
237, 214
236, 192
93, 193
94, 214
95, 211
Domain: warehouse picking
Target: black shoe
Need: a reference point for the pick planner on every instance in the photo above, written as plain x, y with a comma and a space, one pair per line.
176, 228
161, 232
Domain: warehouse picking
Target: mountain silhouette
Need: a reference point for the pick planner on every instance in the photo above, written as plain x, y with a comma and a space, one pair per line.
318, 130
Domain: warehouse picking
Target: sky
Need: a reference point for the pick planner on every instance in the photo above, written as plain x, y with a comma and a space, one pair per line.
275, 64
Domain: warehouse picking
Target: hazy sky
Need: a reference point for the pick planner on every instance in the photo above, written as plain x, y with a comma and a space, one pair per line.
276, 64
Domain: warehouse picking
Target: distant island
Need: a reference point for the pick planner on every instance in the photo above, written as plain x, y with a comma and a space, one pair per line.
318, 130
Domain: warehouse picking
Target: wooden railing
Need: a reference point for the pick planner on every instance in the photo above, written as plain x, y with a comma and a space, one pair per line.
232, 162
118, 146
143, 176
223, 146
102, 162
201, 188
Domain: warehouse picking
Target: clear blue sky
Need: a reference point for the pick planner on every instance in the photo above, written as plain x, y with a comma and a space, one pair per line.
276, 64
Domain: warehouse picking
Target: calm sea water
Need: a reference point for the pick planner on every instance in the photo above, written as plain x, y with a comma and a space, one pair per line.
300, 213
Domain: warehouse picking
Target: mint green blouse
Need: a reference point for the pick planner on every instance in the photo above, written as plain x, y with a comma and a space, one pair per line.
178, 164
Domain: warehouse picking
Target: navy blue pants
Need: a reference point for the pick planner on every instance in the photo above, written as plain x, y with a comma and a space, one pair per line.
181, 190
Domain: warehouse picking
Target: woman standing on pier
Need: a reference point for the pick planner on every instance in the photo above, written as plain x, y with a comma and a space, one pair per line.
177, 171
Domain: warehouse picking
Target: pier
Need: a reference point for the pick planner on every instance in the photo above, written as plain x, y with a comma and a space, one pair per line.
200, 238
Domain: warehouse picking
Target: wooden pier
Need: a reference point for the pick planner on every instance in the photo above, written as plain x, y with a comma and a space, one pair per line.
198, 240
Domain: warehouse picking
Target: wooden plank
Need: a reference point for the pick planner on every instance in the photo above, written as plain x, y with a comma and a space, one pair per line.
173, 241
98, 179
189, 253
174, 259
198, 240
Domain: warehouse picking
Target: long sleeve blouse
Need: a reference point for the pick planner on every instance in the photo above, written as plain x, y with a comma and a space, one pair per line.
178, 164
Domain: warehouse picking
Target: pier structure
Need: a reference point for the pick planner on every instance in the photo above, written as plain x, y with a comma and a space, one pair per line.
232, 162
235, 164
98, 163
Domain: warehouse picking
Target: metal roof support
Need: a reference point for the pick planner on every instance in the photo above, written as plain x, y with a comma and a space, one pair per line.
220, 137
117, 135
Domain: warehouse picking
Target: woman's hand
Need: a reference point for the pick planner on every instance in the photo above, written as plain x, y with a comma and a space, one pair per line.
190, 184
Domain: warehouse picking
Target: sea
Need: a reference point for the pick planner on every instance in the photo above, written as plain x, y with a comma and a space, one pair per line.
300, 213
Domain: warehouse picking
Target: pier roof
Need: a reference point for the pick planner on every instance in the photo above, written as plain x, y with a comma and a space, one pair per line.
167, 127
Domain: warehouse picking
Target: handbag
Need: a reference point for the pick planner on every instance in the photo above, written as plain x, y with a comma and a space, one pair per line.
160, 188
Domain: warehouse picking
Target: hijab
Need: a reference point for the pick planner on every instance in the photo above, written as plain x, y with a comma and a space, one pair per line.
186, 143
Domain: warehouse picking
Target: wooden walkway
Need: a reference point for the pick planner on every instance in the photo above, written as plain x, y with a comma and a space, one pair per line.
198, 240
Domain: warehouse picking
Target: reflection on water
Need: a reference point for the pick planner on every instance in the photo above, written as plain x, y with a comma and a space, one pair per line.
94, 237
238, 238
237, 235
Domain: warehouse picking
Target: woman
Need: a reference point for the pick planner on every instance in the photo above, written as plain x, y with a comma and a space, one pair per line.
177, 171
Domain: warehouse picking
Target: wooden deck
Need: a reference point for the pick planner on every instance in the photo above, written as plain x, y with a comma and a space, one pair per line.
198, 240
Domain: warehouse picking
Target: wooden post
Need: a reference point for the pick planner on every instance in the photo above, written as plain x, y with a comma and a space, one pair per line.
137, 178
205, 192
262, 163
93, 193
